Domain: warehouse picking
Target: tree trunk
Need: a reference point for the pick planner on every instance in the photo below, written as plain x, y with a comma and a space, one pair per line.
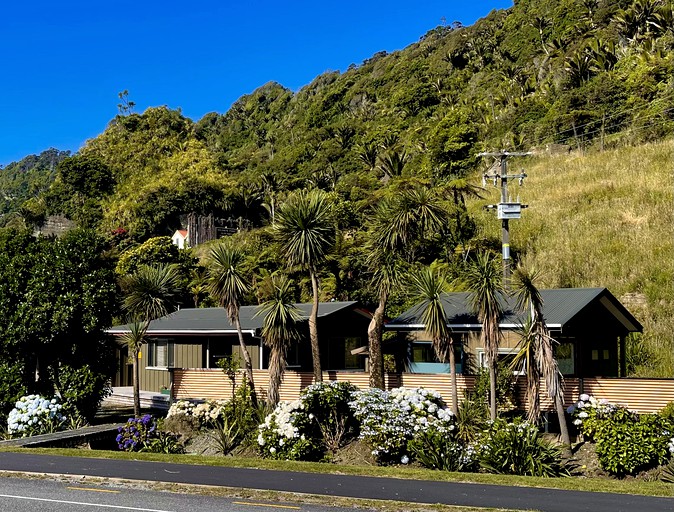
277, 366
452, 378
313, 330
492, 389
136, 384
248, 363
374, 334
563, 427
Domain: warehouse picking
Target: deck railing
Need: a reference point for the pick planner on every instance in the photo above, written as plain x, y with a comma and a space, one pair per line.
640, 395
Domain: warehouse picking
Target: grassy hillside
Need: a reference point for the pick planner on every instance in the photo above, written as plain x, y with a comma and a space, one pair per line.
605, 219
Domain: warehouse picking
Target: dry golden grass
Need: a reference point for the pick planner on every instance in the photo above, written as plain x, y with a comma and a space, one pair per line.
603, 219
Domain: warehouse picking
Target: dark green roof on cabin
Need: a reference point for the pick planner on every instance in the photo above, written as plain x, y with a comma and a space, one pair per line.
560, 307
214, 320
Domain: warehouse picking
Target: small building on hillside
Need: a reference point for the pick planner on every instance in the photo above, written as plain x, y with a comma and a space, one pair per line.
180, 238
588, 324
197, 338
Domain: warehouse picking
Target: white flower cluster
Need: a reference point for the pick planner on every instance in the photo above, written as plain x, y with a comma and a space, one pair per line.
671, 446
281, 422
181, 407
34, 414
587, 404
205, 412
389, 419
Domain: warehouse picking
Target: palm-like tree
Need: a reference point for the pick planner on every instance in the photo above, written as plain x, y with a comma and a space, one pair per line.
429, 285
527, 354
529, 298
151, 292
304, 227
398, 223
483, 278
227, 283
279, 330
393, 163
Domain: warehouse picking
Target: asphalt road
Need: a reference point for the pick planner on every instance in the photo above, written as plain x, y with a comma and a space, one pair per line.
415, 491
27, 495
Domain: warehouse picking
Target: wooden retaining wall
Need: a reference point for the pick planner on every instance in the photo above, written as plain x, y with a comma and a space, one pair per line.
640, 395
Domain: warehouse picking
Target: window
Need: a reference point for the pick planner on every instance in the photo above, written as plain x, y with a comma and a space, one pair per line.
564, 354
293, 356
504, 356
423, 352
160, 354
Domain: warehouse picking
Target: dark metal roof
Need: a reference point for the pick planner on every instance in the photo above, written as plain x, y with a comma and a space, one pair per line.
560, 306
215, 321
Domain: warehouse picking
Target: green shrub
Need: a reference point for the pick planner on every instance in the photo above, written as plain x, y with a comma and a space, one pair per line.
589, 414
506, 398
627, 443
667, 411
437, 449
82, 390
517, 448
226, 436
471, 419
327, 404
163, 442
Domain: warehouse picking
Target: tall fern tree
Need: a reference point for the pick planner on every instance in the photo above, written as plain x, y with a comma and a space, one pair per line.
150, 293
227, 283
305, 229
484, 282
280, 329
428, 286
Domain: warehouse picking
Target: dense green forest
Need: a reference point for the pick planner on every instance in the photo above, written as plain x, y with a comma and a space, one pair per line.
399, 129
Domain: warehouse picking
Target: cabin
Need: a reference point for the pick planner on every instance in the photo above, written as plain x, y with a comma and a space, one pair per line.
197, 338
589, 325
180, 238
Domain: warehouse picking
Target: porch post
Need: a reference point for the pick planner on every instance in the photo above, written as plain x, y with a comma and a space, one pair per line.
621, 357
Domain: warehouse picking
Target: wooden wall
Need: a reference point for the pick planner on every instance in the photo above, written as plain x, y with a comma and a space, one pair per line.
640, 395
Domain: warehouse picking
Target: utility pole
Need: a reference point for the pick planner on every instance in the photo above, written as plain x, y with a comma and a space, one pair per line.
506, 209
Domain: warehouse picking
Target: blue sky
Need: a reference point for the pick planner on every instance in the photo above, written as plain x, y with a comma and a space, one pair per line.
64, 62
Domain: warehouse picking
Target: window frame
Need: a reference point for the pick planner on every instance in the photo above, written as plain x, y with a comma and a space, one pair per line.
152, 353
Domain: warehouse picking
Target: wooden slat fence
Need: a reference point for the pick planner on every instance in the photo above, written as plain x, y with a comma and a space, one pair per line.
640, 395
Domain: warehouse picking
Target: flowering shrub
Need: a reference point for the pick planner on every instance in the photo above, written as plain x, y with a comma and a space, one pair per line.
33, 415
136, 434
327, 404
206, 413
625, 442
389, 419
303, 429
589, 412
517, 448
285, 434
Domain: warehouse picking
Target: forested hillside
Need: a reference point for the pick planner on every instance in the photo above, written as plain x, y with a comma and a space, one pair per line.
594, 76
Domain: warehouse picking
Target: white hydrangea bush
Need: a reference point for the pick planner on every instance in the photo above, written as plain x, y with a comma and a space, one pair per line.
285, 433
390, 419
33, 415
205, 413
